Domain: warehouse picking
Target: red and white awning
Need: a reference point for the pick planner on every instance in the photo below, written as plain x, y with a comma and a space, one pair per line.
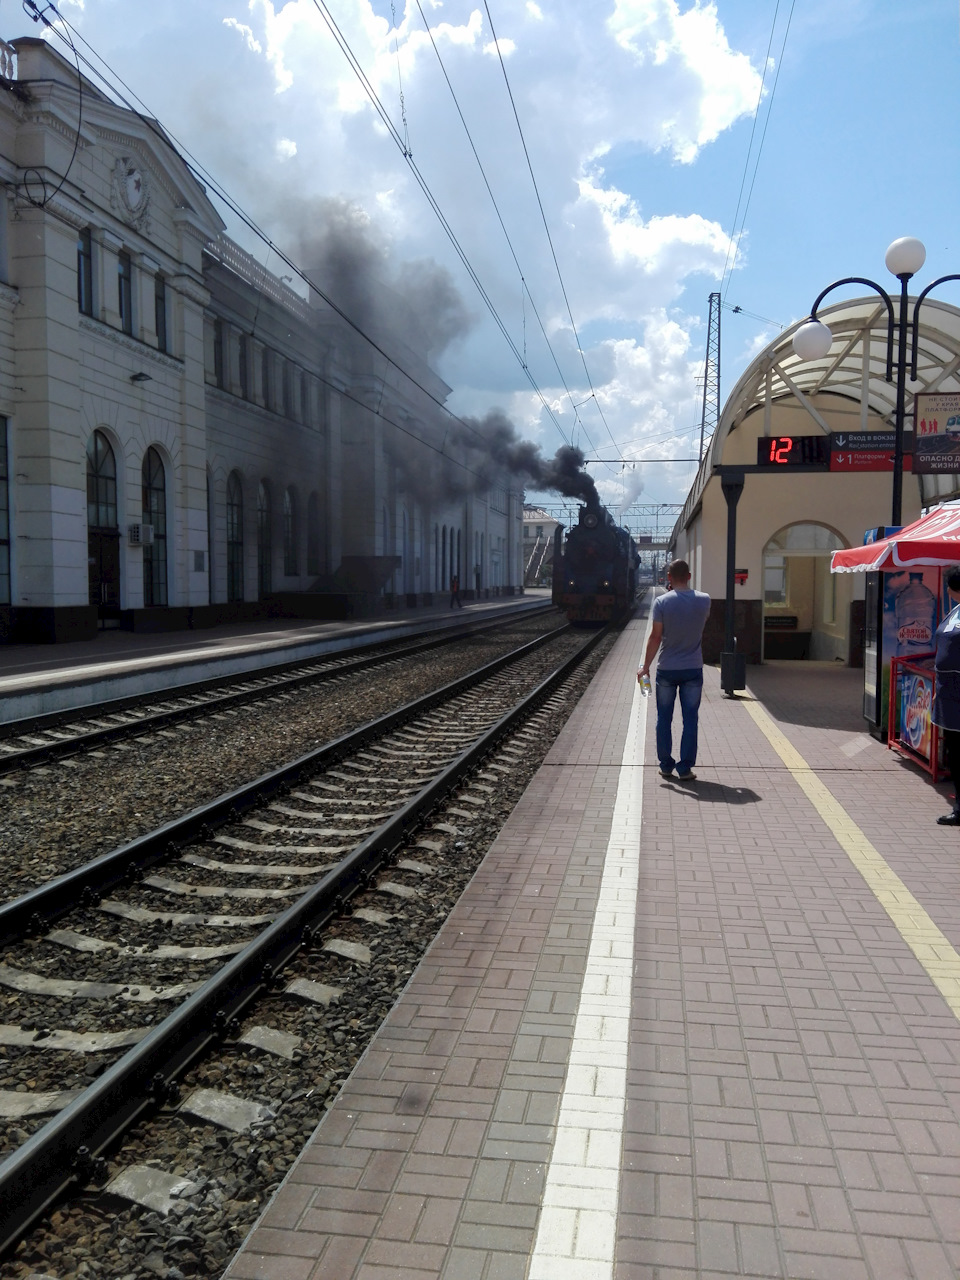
934, 539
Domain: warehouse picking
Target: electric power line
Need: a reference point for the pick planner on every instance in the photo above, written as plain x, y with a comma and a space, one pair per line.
525, 291
533, 179
198, 171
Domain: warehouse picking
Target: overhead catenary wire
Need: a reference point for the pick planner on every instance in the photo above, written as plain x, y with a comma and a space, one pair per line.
198, 171
546, 227
733, 246
344, 45
525, 290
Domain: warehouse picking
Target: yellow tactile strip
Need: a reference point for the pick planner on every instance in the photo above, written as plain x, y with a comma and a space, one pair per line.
933, 949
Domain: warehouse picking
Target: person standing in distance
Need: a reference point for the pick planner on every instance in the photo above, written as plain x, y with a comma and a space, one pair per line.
679, 617
946, 700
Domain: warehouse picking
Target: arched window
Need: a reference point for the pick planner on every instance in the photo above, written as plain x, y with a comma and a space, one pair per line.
290, 558
436, 557
313, 534
101, 483
155, 513
103, 536
234, 537
444, 580
264, 542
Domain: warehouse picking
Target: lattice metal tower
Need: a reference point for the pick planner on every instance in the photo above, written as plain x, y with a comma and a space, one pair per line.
710, 417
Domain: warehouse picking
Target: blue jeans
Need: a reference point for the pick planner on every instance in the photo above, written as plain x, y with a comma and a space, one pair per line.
689, 684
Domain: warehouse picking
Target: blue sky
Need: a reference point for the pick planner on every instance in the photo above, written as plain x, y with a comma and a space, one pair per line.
637, 115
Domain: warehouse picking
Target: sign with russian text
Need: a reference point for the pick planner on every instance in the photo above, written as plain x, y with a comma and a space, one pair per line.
859, 441
937, 433
867, 451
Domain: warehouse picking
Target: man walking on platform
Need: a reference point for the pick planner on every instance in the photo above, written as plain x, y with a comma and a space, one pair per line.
679, 617
455, 592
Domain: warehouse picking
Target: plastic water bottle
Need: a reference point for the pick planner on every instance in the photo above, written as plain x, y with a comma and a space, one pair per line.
645, 686
916, 612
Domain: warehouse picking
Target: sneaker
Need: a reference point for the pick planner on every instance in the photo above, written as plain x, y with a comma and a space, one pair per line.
666, 773
689, 776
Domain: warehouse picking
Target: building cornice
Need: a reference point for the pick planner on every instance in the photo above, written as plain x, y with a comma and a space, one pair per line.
140, 349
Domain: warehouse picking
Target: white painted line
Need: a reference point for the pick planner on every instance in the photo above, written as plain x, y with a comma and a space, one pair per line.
577, 1233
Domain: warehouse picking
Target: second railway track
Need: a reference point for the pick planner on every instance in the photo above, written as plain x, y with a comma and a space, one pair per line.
56, 816
333, 817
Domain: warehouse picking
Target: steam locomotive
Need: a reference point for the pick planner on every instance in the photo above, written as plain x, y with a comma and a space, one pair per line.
595, 573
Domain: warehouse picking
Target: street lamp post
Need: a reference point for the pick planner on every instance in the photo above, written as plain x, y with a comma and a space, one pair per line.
813, 340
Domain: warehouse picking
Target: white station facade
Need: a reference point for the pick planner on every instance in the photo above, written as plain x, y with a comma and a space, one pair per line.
184, 439
789, 519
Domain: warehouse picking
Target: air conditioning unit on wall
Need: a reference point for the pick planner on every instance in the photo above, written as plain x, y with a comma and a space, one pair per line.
140, 535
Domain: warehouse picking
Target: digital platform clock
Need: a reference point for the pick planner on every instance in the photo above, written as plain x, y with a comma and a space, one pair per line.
774, 452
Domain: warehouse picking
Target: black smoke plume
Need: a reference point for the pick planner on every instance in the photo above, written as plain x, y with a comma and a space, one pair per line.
475, 454
348, 258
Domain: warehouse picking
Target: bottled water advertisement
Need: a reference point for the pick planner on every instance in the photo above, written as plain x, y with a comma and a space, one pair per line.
910, 612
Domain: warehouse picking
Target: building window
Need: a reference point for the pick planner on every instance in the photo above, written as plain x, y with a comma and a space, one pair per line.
155, 513
4, 517
304, 399
101, 483
160, 311
264, 543
265, 376
244, 371
234, 538
313, 534
125, 292
775, 580
218, 353
289, 534
287, 389
85, 272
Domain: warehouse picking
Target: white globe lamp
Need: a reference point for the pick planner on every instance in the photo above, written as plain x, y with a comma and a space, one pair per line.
905, 256
812, 340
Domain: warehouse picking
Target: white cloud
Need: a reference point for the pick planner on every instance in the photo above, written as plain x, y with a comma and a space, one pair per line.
251, 41
503, 47
711, 85
282, 121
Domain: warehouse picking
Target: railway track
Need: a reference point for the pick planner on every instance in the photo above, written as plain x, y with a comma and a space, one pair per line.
159, 916
41, 740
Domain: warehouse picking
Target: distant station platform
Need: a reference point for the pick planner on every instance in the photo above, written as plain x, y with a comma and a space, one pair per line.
671, 1030
39, 679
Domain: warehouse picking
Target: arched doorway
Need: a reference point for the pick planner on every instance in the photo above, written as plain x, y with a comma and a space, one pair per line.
806, 608
103, 535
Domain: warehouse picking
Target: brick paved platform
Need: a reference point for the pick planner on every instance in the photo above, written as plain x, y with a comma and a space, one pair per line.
788, 1099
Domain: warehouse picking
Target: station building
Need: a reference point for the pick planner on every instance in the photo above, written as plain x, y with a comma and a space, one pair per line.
539, 529
788, 604
184, 439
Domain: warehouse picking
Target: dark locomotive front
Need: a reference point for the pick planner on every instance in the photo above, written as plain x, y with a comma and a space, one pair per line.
595, 571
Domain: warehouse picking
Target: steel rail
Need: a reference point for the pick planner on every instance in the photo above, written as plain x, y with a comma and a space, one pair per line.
32, 912
43, 753
67, 1148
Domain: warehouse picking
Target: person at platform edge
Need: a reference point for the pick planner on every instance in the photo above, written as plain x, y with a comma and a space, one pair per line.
679, 617
946, 699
